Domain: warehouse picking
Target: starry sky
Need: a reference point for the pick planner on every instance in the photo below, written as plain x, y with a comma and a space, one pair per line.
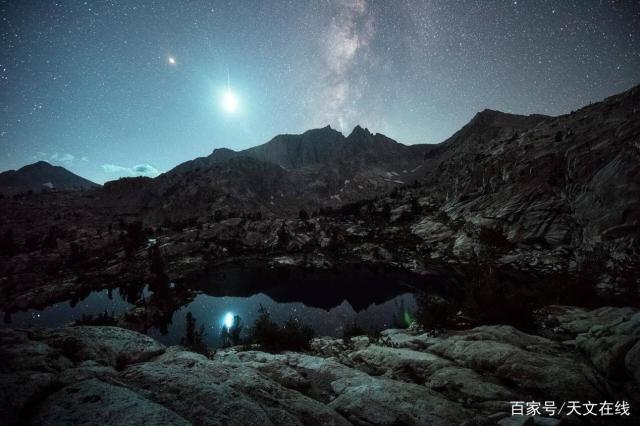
122, 88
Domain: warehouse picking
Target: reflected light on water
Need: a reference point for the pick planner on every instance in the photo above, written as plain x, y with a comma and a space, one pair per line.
228, 320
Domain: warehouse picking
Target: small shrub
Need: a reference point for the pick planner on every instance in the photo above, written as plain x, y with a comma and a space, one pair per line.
434, 312
352, 330
292, 336
194, 339
296, 335
101, 319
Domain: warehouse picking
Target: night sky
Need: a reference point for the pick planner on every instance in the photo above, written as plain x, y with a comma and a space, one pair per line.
119, 88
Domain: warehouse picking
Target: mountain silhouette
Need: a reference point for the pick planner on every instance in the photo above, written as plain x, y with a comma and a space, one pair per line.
42, 176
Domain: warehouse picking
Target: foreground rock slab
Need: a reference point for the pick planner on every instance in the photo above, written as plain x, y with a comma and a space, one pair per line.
110, 375
95, 402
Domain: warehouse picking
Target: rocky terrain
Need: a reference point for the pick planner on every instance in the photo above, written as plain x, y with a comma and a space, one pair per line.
572, 180
99, 375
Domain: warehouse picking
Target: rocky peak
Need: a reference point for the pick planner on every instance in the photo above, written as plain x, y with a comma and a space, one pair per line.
488, 124
326, 131
41, 175
359, 132
489, 116
493, 118
222, 154
38, 165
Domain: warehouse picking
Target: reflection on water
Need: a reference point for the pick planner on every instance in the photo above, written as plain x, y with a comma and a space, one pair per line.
63, 313
210, 311
325, 300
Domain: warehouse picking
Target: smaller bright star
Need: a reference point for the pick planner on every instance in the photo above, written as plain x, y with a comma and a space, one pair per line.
171, 60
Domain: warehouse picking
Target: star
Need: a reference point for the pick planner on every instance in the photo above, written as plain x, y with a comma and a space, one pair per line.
172, 60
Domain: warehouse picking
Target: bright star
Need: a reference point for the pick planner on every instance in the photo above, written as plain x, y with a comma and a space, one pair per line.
228, 320
229, 101
171, 60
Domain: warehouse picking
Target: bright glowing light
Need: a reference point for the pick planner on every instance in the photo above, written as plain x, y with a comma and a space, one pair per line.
171, 60
228, 320
229, 101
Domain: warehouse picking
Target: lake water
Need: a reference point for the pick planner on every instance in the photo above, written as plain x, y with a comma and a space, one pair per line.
63, 313
325, 300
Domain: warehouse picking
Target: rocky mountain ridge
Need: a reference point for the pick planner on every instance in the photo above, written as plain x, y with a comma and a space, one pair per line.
325, 146
318, 168
554, 176
572, 180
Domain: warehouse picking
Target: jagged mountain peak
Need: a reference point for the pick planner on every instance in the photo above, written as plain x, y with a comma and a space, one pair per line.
359, 131
325, 130
320, 134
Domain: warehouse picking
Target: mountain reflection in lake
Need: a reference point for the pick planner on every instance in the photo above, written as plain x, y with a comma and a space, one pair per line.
325, 300
63, 313
210, 311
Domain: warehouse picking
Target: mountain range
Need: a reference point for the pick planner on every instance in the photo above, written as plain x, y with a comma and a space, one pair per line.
571, 179
318, 168
555, 196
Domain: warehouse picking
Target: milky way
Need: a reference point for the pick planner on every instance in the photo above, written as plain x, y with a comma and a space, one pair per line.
122, 88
